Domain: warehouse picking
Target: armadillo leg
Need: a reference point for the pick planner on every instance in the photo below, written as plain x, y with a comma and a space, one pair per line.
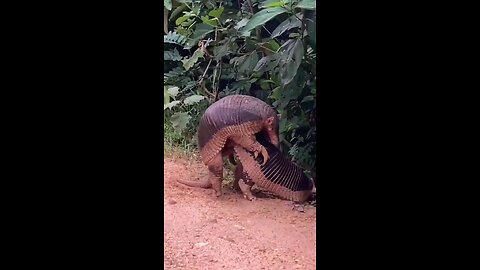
241, 182
251, 144
246, 190
215, 168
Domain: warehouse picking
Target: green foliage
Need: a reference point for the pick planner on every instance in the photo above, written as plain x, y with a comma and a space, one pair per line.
263, 17
308, 4
174, 38
265, 49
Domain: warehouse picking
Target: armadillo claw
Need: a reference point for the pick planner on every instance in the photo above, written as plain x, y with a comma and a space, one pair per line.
256, 148
265, 155
250, 198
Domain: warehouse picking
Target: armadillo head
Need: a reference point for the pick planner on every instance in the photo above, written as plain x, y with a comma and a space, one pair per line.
271, 129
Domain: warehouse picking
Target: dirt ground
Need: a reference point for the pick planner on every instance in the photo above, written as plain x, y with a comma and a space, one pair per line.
203, 232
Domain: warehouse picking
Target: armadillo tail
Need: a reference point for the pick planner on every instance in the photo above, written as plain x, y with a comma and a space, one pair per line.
200, 184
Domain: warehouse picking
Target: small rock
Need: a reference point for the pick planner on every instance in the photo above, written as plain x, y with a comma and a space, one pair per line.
212, 220
172, 201
239, 227
201, 244
230, 240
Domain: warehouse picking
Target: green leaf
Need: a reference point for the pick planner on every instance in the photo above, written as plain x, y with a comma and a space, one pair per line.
249, 63
312, 31
188, 22
274, 3
206, 20
276, 93
183, 31
267, 63
167, 4
262, 17
172, 91
180, 120
291, 59
307, 4
216, 12
180, 20
273, 45
193, 99
175, 38
288, 24
294, 35
283, 126
307, 98
241, 23
177, 10
170, 105
189, 62
166, 96
221, 51
165, 21
264, 84
196, 8
172, 55
201, 30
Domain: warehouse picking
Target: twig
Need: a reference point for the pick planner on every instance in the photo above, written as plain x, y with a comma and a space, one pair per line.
203, 76
266, 48
218, 84
215, 85
210, 94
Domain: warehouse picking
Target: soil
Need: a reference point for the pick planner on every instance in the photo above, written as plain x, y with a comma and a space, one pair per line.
230, 232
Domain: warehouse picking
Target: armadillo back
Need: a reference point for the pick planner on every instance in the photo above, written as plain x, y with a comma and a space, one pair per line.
231, 115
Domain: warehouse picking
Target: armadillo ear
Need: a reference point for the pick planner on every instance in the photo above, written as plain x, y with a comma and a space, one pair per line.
270, 120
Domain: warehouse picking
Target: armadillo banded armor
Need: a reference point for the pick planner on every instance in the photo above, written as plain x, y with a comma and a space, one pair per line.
232, 115
279, 175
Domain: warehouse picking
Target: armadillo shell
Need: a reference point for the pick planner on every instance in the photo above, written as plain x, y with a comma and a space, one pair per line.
231, 115
279, 175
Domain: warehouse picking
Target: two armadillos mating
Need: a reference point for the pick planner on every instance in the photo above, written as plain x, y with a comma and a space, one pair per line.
279, 175
235, 118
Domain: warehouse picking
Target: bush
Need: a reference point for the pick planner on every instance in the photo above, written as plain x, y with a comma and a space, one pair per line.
264, 49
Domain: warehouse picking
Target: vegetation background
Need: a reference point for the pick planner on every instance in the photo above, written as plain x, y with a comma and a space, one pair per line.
266, 49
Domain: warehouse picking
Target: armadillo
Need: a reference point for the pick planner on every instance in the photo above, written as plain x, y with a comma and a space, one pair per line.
236, 119
278, 175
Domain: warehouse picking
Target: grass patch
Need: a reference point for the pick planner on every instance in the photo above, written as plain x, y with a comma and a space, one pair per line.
177, 152
178, 146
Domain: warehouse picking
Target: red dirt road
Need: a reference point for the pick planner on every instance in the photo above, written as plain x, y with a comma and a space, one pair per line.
203, 232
